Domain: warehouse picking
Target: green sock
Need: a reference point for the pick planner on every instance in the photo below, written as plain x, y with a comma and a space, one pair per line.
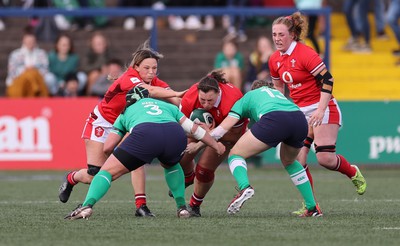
98, 188
176, 183
300, 180
238, 168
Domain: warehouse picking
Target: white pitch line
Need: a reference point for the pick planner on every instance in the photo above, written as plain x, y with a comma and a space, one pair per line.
387, 228
171, 200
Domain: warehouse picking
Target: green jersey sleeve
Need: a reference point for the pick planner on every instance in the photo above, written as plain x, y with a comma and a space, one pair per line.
254, 104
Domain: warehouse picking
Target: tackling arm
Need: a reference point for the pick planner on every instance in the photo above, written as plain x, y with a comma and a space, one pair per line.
279, 85
111, 142
162, 93
200, 134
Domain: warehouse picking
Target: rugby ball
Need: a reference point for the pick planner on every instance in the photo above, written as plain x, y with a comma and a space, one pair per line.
201, 115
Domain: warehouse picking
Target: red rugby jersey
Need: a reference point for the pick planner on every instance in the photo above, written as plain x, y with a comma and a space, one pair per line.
114, 100
295, 68
229, 95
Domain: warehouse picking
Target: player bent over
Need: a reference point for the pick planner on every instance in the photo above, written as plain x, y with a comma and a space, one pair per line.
274, 120
155, 129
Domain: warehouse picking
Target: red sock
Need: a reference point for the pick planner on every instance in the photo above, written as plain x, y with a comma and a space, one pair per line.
70, 178
140, 199
196, 200
344, 167
309, 176
189, 179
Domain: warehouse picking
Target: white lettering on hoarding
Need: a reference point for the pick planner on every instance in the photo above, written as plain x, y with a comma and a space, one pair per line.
26, 139
381, 144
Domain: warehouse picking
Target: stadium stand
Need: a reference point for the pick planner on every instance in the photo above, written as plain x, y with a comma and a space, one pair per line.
357, 76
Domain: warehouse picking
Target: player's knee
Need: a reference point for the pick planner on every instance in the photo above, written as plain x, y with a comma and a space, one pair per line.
93, 170
326, 155
325, 148
204, 175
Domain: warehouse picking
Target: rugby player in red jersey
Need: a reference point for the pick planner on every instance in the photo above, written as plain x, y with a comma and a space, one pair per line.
310, 85
216, 95
143, 72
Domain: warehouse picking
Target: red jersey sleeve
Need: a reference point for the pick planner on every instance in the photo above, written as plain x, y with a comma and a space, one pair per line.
189, 100
313, 62
273, 65
160, 83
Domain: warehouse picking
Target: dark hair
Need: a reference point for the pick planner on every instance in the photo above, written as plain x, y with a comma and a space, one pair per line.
260, 83
71, 43
29, 30
211, 81
114, 61
70, 76
230, 41
296, 24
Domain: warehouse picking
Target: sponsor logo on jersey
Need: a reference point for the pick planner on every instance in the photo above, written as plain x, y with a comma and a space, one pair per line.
135, 80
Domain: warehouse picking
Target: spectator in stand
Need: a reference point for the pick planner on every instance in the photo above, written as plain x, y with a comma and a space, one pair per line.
97, 55
71, 86
258, 62
87, 23
379, 17
349, 8
231, 61
393, 16
176, 22
28, 73
312, 20
2, 24
193, 22
109, 73
236, 24
63, 61
130, 22
380, 22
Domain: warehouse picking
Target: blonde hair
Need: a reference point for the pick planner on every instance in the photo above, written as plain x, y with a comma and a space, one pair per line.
144, 51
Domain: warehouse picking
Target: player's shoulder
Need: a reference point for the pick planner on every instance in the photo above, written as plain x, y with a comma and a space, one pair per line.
191, 92
158, 82
275, 55
304, 49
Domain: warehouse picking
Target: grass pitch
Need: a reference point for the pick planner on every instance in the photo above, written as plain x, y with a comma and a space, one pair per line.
30, 213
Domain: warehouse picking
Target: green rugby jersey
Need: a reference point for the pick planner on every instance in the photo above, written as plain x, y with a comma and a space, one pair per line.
146, 110
258, 102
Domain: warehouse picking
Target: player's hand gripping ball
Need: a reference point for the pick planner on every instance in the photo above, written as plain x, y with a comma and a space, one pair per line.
201, 115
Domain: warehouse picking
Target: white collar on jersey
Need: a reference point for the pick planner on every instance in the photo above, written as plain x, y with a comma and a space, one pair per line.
291, 48
218, 99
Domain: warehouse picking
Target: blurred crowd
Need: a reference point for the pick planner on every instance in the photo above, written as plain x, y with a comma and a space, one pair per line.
61, 71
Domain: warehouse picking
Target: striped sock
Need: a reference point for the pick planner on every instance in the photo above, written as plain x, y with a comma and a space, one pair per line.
238, 167
300, 180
